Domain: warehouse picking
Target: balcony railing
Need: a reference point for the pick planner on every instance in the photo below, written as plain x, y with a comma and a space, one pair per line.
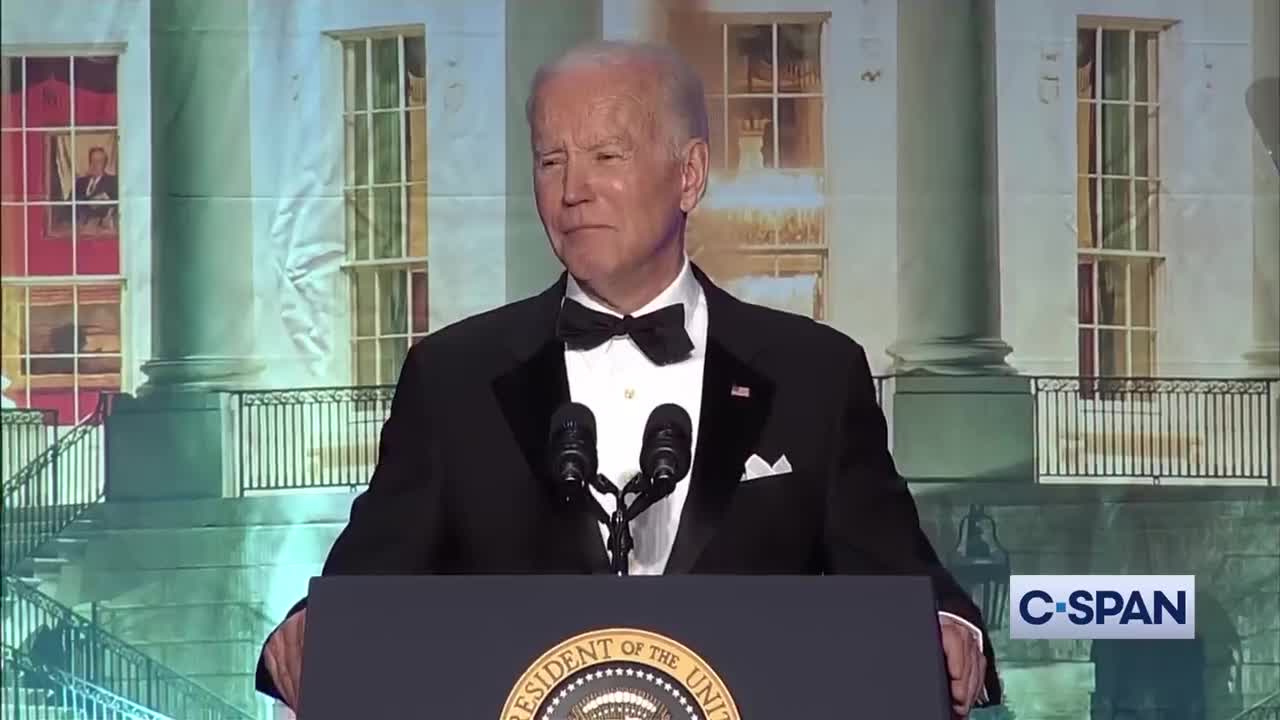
309, 438
1110, 430
34, 690
1154, 430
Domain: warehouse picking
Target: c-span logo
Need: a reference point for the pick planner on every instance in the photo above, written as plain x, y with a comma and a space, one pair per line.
620, 674
1102, 607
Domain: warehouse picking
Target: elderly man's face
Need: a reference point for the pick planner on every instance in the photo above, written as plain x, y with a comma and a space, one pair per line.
97, 162
608, 190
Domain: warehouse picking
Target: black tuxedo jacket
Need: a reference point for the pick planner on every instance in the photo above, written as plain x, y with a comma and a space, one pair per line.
460, 485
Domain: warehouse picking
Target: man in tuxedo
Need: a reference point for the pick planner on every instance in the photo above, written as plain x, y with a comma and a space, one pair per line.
619, 140
97, 184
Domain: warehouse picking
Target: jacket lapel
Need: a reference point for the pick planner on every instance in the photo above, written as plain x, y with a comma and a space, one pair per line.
528, 396
736, 401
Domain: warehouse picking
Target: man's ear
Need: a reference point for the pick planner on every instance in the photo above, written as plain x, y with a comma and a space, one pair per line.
695, 164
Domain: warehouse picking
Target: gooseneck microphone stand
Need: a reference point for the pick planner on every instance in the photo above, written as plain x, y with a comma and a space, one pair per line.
620, 543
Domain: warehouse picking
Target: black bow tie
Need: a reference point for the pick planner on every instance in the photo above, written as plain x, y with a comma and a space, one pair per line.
660, 335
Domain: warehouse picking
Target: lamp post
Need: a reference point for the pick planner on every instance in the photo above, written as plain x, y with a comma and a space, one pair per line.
981, 565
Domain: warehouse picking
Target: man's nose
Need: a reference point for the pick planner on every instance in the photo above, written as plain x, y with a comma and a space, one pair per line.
577, 183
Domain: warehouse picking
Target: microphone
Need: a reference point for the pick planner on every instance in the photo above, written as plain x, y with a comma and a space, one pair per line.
665, 451
572, 450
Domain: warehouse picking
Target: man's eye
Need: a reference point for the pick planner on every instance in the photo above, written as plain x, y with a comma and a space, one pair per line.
550, 162
610, 156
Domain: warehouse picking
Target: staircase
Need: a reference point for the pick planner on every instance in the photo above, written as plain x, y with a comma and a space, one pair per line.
33, 690
43, 516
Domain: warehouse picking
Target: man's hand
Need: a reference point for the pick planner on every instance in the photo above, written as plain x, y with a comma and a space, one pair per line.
284, 657
966, 665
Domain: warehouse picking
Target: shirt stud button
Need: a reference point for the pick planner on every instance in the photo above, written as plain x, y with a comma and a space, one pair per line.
629, 394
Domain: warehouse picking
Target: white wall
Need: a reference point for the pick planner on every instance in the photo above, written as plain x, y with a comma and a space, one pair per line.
297, 166
1203, 295
108, 27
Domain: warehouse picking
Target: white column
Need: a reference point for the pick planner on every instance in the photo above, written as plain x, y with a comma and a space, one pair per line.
1264, 111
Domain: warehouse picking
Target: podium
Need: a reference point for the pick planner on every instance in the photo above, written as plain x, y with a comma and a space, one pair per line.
599, 647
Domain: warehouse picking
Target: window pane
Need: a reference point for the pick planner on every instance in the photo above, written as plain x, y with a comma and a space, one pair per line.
1116, 211
108, 366
1115, 64
1144, 353
386, 73
1086, 69
48, 92
1087, 212
393, 298
95, 85
357, 150
1112, 292
1147, 199
10, 92
800, 133
1146, 60
13, 249
1142, 299
715, 131
386, 147
800, 58
1112, 352
53, 329
700, 39
415, 70
365, 294
97, 239
1087, 346
802, 226
1115, 140
393, 352
1146, 136
415, 149
49, 240
49, 166
420, 301
358, 225
417, 212
366, 362
356, 75
387, 234
98, 318
750, 141
1085, 289
750, 58
13, 322
10, 166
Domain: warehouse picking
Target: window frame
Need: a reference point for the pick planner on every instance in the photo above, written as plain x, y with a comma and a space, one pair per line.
75, 281
369, 268
1096, 256
778, 252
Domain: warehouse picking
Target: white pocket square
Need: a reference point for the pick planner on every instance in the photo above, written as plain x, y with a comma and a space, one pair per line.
757, 467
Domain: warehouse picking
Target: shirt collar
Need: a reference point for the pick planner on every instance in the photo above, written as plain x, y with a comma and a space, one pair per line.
685, 290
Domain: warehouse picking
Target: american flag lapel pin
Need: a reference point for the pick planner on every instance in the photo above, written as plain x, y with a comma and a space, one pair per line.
741, 391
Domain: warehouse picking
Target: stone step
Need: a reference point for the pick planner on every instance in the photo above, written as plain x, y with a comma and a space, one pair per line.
191, 623
276, 586
235, 688
262, 510
200, 658
209, 546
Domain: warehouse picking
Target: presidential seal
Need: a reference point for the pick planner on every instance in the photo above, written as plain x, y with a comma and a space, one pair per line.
620, 674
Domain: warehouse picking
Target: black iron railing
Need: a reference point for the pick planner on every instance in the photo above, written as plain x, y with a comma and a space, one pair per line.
86, 652
34, 689
1266, 709
24, 434
308, 438
49, 492
1159, 430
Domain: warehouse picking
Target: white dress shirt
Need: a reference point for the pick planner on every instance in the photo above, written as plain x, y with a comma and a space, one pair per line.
622, 386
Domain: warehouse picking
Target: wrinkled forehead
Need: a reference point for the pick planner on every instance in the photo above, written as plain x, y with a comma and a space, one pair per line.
580, 105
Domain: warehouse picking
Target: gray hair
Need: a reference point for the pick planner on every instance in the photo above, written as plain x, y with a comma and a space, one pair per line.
680, 93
